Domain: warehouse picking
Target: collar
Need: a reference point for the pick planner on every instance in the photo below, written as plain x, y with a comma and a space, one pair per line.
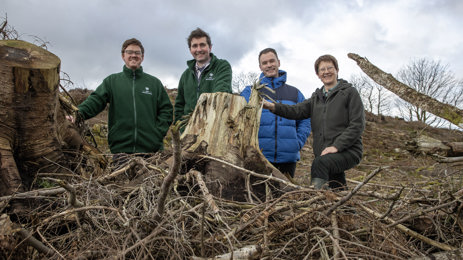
329, 90
129, 72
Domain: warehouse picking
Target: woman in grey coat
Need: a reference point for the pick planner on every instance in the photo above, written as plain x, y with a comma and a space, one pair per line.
338, 120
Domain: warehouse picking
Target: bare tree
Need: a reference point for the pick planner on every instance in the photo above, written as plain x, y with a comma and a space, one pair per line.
6, 31
433, 79
243, 79
375, 98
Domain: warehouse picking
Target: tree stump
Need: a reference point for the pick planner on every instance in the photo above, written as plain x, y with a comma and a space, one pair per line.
226, 127
32, 122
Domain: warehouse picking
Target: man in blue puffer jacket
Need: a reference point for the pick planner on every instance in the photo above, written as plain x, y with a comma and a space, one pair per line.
280, 139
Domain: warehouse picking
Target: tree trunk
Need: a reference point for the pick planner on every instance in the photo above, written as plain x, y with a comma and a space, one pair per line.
226, 127
446, 111
31, 119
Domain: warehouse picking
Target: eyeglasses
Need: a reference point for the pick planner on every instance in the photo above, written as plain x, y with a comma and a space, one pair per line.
130, 52
322, 70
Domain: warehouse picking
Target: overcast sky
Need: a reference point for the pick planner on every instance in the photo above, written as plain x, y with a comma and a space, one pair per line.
87, 35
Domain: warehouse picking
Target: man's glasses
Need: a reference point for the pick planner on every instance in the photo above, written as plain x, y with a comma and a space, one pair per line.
130, 52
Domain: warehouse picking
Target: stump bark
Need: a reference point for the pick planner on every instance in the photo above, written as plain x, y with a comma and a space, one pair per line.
226, 127
32, 124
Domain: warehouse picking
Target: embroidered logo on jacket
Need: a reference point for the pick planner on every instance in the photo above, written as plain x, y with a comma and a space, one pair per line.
147, 91
210, 76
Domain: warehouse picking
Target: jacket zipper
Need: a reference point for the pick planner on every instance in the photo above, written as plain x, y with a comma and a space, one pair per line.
134, 114
276, 125
199, 82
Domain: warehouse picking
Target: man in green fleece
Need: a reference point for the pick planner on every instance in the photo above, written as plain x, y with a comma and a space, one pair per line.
205, 74
140, 111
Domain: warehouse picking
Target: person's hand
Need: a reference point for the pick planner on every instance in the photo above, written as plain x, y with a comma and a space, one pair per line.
330, 149
268, 105
71, 119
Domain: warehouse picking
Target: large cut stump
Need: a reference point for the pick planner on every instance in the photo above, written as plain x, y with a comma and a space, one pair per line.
31, 118
225, 126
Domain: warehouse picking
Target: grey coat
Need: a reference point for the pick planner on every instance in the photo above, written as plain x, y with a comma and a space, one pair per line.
337, 120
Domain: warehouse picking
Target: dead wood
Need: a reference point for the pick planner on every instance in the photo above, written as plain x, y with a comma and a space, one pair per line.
411, 232
449, 159
200, 224
348, 196
33, 130
173, 171
445, 111
224, 126
447, 255
245, 253
34, 194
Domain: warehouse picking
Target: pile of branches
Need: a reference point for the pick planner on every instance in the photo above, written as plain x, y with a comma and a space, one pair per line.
143, 210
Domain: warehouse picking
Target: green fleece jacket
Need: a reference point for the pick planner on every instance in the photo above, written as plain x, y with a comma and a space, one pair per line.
216, 77
337, 120
140, 111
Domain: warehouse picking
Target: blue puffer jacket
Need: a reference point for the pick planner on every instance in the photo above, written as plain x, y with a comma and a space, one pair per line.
280, 139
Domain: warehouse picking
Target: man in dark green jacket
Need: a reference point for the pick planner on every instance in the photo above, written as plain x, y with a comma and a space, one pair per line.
205, 74
140, 111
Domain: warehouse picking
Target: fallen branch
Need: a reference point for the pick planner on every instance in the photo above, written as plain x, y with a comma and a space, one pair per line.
336, 236
263, 176
72, 200
410, 232
173, 172
348, 196
207, 195
245, 253
35, 243
443, 110
34, 194
449, 159
420, 213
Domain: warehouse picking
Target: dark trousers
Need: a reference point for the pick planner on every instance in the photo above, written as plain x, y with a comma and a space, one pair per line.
289, 168
331, 167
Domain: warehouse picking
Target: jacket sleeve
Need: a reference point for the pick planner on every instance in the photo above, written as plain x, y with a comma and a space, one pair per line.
356, 125
246, 93
179, 101
303, 125
224, 78
298, 111
165, 112
96, 102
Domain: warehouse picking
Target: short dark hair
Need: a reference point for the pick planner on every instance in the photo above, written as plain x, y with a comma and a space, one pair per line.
267, 50
132, 41
199, 33
326, 58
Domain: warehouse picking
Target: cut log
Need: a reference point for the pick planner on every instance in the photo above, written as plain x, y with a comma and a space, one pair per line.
455, 147
225, 126
445, 111
32, 123
427, 145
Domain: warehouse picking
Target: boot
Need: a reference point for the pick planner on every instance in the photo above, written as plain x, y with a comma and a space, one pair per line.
319, 183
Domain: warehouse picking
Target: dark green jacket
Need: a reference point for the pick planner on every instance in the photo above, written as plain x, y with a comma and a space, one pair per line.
337, 120
140, 111
216, 77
